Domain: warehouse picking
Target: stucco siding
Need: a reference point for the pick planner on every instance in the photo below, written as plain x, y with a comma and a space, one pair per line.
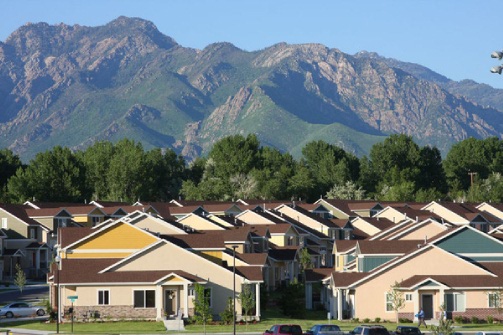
430, 262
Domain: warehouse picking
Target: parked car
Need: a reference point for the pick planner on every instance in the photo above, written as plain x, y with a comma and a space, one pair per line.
489, 333
284, 330
407, 330
369, 330
21, 309
325, 329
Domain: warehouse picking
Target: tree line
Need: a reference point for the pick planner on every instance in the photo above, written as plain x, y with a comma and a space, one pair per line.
396, 169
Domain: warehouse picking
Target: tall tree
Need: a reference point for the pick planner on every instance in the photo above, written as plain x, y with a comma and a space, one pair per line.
55, 175
96, 159
127, 174
329, 165
9, 164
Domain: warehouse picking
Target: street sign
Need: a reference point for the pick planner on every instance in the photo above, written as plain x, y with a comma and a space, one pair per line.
73, 297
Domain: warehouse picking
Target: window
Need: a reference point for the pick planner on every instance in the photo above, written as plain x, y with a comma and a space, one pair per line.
408, 297
191, 292
389, 302
207, 296
33, 233
4, 223
494, 300
454, 302
95, 219
103, 297
144, 299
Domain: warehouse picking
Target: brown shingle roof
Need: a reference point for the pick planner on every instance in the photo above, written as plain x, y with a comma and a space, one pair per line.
87, 271
388, 247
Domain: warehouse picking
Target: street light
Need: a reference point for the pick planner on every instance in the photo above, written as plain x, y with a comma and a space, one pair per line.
234, 289
57, 260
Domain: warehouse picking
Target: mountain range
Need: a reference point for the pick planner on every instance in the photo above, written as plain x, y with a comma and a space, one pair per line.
74, 85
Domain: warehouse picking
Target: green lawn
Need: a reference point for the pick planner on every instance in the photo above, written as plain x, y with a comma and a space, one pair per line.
269, 318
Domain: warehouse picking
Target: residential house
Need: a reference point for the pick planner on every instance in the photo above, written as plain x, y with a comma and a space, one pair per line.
456, 269
114, 270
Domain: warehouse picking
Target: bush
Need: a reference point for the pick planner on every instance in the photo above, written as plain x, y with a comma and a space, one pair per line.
292, 300
366, 320
377, 320
490, 319
355, 320
227, 316
459, 319
475, 320
404, 320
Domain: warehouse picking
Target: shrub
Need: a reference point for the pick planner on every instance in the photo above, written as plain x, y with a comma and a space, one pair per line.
377, 320
404, 320
490, 319
458, 319
475, 320
366, 320
355, 320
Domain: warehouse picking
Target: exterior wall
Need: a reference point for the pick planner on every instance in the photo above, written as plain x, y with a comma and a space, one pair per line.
313, 224
218, 278
279, 240
82, 219
121, 301
199, 223
253, 218
446, 214
490, 209
365, 226
14, 223
47, 222
423, 232
392, 214
117, 242
155, 225
430, 262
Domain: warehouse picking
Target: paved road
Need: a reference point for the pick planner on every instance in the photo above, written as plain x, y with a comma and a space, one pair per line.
30, 293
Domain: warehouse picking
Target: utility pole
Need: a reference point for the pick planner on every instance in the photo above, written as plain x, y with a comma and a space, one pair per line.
471, 174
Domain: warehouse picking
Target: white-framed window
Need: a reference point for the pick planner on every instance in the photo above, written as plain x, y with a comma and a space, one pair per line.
454, 302
389, 302
95, 219
494, 300
4, 223
408, 296
103, 297
207, 296
144, 298
191, 292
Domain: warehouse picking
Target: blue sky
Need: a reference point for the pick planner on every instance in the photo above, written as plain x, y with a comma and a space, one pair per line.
451, 37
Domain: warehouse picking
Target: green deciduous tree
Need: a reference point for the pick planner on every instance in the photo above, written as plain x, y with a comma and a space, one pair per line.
55, 175
395, 298
202, 309
247, 300
9, 164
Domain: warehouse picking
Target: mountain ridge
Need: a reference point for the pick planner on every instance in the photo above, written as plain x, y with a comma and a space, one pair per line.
72, 85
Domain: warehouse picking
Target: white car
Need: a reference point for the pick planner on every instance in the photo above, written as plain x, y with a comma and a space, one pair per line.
20, 309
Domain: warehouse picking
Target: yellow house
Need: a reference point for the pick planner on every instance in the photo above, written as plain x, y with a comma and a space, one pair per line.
120, 270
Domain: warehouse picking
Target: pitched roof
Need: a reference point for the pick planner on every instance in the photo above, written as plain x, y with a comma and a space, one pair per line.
259, 259
87, 271
19, 211
71, 235
388, 247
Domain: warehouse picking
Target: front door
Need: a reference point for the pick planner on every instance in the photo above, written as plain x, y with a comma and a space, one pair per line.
427, 303
170, 302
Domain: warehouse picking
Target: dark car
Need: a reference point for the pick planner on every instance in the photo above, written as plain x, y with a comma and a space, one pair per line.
284, 330
324, 330
369, 330
407, 330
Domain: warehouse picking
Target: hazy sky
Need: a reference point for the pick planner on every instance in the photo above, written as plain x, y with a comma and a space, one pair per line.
452, 37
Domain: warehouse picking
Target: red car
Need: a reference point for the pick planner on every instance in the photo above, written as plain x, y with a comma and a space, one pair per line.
284, 330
